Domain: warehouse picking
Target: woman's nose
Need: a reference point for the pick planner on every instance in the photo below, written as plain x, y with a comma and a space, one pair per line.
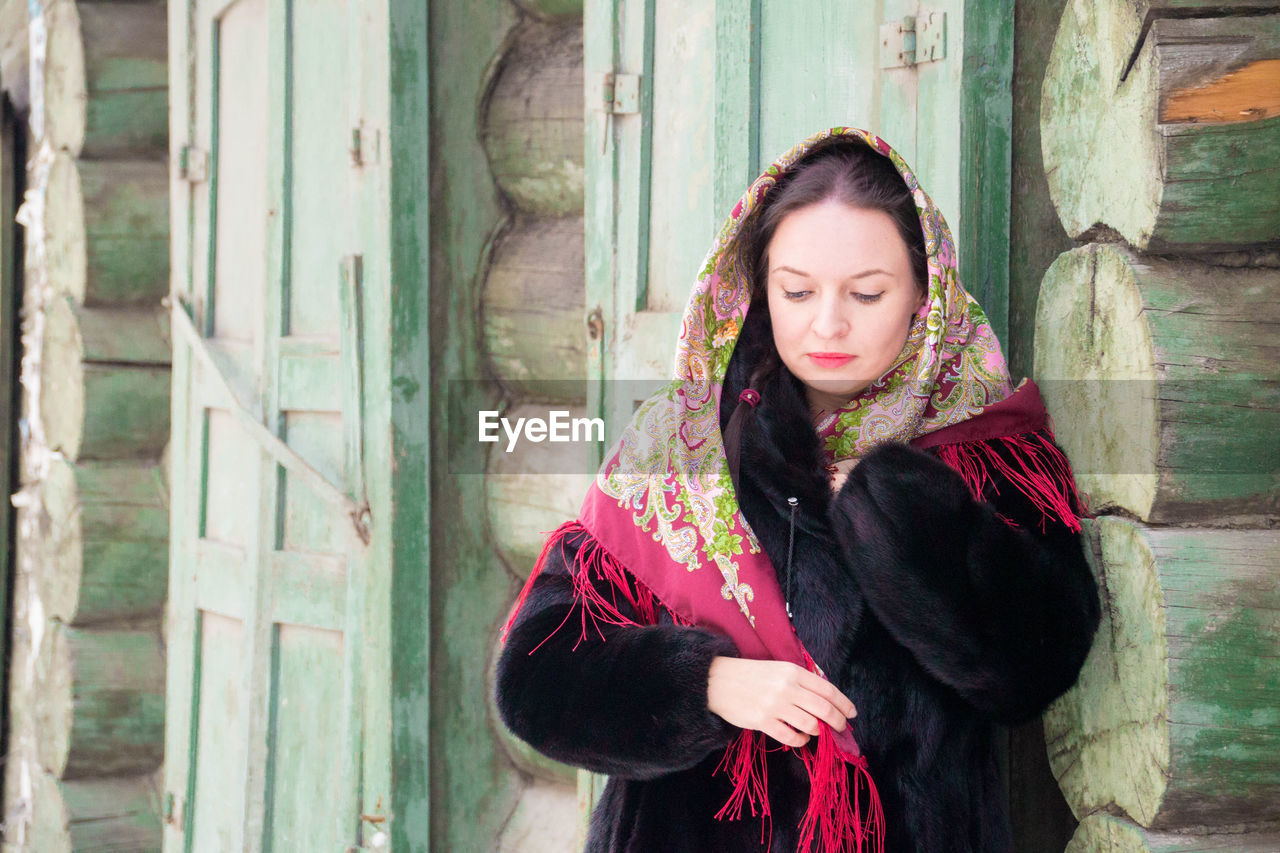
831, 322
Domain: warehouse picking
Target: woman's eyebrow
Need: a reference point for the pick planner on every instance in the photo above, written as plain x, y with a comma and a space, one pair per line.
863, 274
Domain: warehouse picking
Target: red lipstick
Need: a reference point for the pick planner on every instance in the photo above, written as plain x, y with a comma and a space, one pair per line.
830, 359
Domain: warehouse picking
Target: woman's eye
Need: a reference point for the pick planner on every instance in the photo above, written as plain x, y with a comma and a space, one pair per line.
793, 294
868, 298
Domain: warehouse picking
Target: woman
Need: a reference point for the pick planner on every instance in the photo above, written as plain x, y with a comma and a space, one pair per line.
825, 561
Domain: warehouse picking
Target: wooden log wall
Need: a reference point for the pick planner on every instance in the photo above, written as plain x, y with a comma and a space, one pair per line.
531, 314
1156, 350
87, 686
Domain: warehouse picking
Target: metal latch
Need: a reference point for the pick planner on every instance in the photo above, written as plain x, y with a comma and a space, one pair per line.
620, 93
914, 40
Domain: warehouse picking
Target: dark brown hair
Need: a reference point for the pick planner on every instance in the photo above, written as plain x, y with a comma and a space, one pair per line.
850, 172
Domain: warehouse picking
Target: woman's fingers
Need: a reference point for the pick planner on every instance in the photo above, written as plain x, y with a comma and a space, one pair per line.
786, 735
826, 690
800, 720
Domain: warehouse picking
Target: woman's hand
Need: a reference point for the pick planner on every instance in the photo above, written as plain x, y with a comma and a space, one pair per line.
781, 699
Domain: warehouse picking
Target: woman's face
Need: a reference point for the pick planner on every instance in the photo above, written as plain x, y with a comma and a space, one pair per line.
840, 285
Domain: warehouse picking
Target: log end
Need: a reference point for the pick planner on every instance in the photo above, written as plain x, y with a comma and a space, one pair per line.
1095, 362
1108, 736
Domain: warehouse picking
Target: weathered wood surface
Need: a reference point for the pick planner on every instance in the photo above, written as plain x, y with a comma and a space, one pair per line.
1163, 381
532, 129
107, 225
535, 487
108, 409
543, 821
1178, 151
1100, 833
102, 702
14, 52
134, 335
107, 543
101, 815
106, 79
533, 307
1174, 720
552, 10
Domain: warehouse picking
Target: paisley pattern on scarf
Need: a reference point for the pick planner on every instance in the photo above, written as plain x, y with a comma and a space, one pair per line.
669, 467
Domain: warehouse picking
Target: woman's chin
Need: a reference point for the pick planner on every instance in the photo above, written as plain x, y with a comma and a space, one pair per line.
829, 388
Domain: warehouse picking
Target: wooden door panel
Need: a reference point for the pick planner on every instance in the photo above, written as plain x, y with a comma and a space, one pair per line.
817, 70
269, 563
307, 693
240, 112
681, 219
217, 810
320, 133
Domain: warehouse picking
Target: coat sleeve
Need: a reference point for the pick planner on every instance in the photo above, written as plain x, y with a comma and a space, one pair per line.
992, 597
626, 700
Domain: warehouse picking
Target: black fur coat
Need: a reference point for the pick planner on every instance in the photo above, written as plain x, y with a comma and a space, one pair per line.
936, 617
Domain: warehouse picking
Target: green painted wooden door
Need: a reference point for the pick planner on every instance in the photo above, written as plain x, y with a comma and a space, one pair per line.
687, 100
266, 729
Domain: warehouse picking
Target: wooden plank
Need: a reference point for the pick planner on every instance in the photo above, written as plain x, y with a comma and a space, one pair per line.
533, 306
532, 129
736, 151
821, 71
107, 225
219, 737
1186, 185
985, 78
307, 688
1178, 357
220, 575
1101, 833
102, 706
308, 383
106, 91
239, 177
1172, 719
108, 542
112, 813
442, 583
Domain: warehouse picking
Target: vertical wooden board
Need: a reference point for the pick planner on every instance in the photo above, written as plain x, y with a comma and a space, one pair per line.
228, 512
682, 221
307, 521
305, 741
985, 112
1036, 237
937, 157
737, 101
217, 808
240, 170
320, 158
457, 792
895, 120
817, 71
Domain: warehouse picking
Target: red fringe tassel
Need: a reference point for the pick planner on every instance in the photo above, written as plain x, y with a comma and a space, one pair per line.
593, 561
834, 816
1039, 470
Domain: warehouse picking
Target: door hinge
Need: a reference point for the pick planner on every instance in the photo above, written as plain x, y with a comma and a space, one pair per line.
620, 93
193, 164
914, 40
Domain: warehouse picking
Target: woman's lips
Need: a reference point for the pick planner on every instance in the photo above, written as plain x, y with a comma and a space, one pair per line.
830, 359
